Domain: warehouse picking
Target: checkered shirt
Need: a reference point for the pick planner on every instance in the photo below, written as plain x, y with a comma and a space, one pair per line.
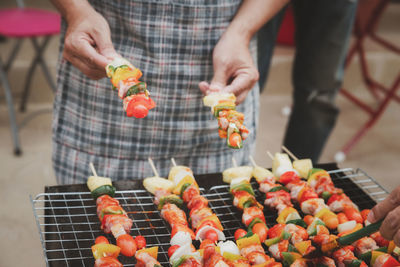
171, 41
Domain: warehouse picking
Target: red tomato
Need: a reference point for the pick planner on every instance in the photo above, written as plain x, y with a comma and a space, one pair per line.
212, 235
240, 233
207, 243
101, 240
308, 194
261, 230
172, 250
140, 241
288, 177
127, 245
137, 110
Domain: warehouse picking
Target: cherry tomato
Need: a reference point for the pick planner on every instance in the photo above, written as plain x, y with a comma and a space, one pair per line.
172, 250
127, 244
101, 240
207, 243
140, 241
288, 177
261, 230
137, 110
240, 233
212, 235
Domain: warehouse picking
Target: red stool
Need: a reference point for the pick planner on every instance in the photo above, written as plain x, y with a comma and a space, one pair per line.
26, 23
368, 16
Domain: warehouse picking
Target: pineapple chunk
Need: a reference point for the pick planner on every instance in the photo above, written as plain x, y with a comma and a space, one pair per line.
237, 172
281, 161
212, 99
303, 167
94, 182
261, 174
151, 184
177, 173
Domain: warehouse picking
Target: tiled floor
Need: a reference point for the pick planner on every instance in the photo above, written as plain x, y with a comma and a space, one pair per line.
378, 152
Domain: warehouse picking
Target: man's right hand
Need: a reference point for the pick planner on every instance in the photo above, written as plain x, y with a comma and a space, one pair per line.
88, 43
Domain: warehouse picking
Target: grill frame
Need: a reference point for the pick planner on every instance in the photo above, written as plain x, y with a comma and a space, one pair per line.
68, 225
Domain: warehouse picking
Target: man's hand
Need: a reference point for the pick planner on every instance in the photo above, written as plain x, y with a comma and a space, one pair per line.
88, 43
390, 210
234, 70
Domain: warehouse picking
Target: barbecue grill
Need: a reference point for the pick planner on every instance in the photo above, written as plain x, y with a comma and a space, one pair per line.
68, 225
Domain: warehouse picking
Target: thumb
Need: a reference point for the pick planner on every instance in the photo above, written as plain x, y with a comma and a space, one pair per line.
105, 46
383, 208
220, 77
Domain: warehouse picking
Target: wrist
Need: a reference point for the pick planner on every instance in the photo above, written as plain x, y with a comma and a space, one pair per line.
238, 32
73, 10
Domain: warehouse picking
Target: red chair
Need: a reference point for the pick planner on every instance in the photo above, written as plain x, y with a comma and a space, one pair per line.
368, 16
26, 23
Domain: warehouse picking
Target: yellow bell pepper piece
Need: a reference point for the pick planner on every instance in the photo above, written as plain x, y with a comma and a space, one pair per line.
122, 74
153, 251
283, 215
247, 241
187, 179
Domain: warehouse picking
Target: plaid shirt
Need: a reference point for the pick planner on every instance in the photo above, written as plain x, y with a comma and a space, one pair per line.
171, 41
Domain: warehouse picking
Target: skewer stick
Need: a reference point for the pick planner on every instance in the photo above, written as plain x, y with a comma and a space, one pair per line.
153, 167
234, 162
93, 169
289, 153
270, 155
173, 162
252, 161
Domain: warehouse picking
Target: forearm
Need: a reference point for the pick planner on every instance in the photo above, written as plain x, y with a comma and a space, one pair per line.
70, 9
252, 15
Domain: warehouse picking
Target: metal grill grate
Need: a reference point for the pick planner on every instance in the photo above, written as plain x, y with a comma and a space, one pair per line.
68, 224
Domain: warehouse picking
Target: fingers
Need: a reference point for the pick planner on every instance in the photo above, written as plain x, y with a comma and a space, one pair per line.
383, 208
79, 50
204, 87
92, 73
391, 225
104, 44
242, 84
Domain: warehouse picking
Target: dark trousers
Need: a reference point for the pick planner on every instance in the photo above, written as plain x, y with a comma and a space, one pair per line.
323, 28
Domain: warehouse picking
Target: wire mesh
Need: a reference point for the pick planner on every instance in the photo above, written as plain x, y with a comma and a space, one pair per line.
68, 224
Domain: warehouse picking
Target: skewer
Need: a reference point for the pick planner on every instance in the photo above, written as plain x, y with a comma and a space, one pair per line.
270, 155
153, 167
173, 162
234, 162
93, 169
252, 161
289, 153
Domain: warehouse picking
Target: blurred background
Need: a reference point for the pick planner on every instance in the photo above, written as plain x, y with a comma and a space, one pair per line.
377, 152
